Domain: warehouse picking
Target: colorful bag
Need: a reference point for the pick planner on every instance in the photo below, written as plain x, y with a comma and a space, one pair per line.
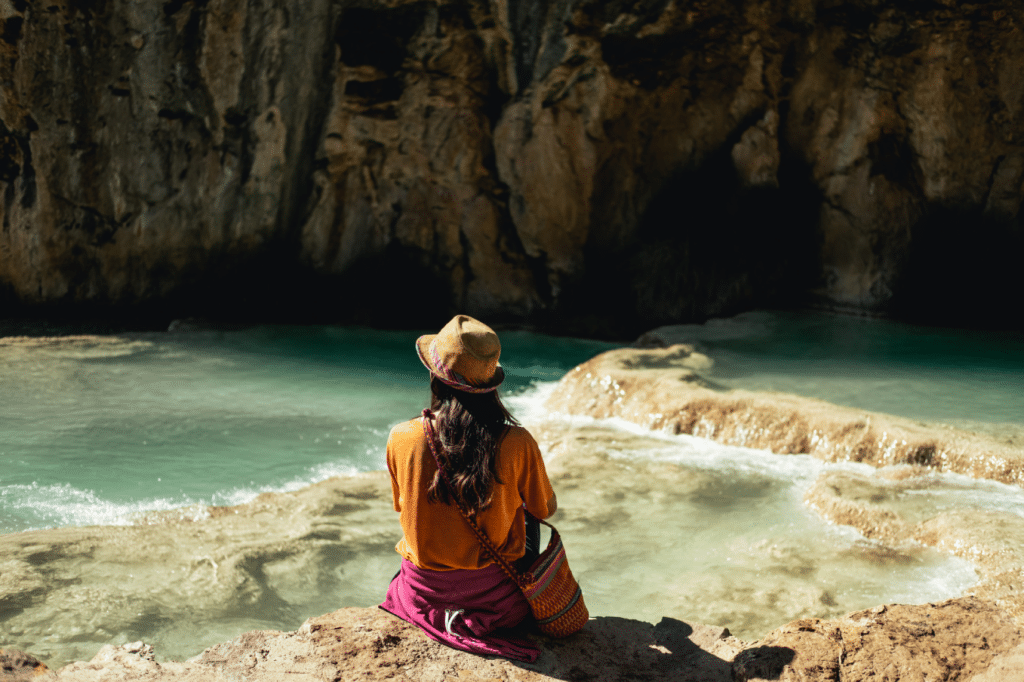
555, 597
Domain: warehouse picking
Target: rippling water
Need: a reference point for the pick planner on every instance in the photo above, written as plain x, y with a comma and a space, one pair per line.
96, 431
931, 373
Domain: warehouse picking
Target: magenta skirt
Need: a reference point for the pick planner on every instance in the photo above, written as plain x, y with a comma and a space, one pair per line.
467, 610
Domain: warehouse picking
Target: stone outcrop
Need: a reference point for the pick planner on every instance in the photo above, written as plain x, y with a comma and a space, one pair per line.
961, 640
573, 164
993, 541
369, 644
174, 573
658, 388
955, 640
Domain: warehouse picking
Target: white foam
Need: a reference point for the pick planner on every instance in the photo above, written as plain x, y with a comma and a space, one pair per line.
60, 505
52, 506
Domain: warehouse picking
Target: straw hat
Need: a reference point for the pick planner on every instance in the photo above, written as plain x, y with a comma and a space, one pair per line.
464, 355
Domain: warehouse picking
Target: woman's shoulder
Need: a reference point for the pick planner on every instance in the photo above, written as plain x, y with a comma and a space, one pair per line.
519, 438
410, 429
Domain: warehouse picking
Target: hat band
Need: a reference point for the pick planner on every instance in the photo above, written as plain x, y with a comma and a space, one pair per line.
448, 376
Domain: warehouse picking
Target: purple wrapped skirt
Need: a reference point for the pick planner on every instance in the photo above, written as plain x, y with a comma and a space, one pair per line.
467, 610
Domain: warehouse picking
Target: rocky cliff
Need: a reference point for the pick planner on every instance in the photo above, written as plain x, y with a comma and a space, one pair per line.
628, 162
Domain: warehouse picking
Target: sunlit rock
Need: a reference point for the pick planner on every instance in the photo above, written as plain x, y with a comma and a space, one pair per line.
655, 388
956, 639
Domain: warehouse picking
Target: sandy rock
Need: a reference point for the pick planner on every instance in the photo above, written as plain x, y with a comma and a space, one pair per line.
18, 666
369, 644
954, 641
1005, 666
654, 388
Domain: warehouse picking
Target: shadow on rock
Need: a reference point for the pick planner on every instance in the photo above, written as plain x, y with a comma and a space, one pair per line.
762, 663
617, 648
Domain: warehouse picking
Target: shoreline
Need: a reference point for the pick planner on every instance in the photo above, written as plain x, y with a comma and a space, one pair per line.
628, 384
661, 389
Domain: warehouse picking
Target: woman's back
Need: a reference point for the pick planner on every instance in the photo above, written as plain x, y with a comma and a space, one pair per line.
448, 584
435, 534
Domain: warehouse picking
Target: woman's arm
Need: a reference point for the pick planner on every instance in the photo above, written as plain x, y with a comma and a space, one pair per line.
552, 506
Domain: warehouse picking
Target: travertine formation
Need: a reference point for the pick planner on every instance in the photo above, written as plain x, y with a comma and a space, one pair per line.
659, 388
569, 163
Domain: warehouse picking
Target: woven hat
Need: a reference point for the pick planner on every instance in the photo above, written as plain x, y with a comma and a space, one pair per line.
464, 355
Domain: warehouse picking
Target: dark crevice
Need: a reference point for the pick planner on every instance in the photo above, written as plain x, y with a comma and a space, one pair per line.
373, 92
961, 267
9, 166
893, 157
28, 172
11, 31
379, 37
706, 247
173, 7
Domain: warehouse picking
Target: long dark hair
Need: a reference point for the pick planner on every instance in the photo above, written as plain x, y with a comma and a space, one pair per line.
470, 427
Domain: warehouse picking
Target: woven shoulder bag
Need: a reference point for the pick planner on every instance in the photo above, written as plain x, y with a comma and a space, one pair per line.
555, 597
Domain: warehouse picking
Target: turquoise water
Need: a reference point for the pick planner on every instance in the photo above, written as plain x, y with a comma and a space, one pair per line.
94, 433
930, 373
98, 430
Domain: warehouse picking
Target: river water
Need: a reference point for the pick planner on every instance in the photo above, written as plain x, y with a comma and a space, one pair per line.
96, 431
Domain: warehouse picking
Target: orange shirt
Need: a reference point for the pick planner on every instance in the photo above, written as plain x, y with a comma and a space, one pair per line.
436, 536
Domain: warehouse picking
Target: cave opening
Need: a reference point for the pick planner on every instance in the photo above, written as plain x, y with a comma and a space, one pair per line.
962, 267
706, 246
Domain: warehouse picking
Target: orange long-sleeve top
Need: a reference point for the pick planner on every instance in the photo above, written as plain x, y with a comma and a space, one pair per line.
435, 535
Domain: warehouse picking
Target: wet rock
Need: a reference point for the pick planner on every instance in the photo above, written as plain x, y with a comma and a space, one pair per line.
656, 389
193, 569
993, 541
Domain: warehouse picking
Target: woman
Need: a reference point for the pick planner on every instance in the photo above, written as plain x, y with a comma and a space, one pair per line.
448, 584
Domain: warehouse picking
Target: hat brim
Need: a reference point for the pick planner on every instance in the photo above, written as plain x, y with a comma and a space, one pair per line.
423, 351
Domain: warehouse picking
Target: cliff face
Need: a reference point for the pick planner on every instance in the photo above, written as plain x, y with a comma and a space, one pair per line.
638, 162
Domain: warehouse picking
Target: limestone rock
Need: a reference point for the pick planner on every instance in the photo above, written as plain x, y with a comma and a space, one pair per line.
585, 165
957, 640
197, 568
1005, 666
993, 541
655, 388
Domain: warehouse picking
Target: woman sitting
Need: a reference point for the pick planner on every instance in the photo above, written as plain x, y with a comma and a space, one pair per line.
448, 584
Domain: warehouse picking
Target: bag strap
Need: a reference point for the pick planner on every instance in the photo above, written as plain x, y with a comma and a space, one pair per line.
519, 579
